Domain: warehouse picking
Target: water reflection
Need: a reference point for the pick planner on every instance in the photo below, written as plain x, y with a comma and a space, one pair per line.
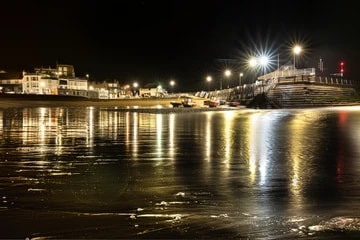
190, 167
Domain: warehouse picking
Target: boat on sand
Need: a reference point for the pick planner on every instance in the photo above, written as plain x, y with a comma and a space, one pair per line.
185, 102
211, 103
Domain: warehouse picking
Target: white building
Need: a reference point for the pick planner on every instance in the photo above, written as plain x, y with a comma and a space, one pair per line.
73, 87
10, 82
55, 81
152, 92
38, 83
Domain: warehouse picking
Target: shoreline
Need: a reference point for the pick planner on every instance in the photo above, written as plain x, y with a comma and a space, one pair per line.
149, 105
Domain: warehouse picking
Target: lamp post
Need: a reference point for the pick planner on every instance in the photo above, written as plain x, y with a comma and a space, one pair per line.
263, 62
240, 75
227, 74
221, 79
208, 79
297, 49
135, 85
253, 62
172, 83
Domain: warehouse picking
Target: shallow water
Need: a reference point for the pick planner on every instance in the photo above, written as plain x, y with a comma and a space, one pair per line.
245, 174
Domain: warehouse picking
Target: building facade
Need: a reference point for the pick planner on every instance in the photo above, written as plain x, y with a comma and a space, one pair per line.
10, 82
62, 80
54, 81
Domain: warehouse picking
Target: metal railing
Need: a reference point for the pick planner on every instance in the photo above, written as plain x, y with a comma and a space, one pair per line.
288, 73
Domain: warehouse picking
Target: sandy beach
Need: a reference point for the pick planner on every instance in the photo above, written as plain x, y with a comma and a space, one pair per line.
162, 105
18, 100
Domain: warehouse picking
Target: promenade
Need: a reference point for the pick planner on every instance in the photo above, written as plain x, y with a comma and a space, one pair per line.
7, 101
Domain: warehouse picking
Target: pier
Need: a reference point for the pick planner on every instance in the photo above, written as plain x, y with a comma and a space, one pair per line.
286, 88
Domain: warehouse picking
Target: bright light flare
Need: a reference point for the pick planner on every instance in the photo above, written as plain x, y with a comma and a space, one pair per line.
263, 60
227, 73
253, 62
297, 49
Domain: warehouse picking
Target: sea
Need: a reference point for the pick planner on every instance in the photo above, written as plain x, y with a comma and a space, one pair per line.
111, 173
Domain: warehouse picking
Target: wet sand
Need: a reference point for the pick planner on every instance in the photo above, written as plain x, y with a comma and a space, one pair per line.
60, 101
130, 104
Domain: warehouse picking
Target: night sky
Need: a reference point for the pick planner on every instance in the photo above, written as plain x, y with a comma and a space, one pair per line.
159, 41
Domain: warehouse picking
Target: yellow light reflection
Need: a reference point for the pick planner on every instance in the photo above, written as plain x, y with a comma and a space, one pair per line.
172, 136
208, 136
1, 122
42, 129
135, 134
301, 143
159, 129
295, 148
252, 136
59, 134
90, 138
227, 137
260, 138
127, 129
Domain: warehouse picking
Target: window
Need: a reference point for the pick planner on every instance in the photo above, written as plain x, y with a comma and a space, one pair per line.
63, 82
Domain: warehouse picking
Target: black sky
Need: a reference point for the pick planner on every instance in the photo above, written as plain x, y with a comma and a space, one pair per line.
155, 41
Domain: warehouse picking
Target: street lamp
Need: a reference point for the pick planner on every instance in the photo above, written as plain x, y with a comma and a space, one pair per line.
297, 49
227, 74
240, 75
172, 83
135, 85
209, 79
252, 62
263, 62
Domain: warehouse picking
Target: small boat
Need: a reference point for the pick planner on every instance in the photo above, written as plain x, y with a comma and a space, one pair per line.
176, 104
211, 103
222, 102
188, 102
234, 103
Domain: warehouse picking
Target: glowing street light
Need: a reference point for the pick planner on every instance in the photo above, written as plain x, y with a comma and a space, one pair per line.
209, 79
252, 62
297, 49
240, 75
228, 74
172, 84
264, 60
135, 85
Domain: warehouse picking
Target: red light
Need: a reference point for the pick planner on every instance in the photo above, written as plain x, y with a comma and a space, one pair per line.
342, 67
